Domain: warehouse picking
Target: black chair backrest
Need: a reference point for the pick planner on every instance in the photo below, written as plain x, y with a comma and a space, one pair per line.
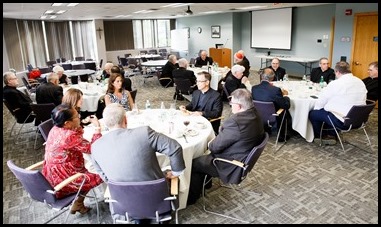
26, 83
133, 94
143, 52
90, 65
153, 51
45, 70
183, 86
42, 111
45, 128
78, 66
358, 115
127, 55
100, 63
123, 61
51, 63
30, 67
6, 103
79, 58
253, 157
63, 60
140, 199
67, 66
266, 111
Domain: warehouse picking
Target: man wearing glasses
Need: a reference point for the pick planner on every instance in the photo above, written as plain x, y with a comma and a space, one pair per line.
206, 102
18, 101
238, 135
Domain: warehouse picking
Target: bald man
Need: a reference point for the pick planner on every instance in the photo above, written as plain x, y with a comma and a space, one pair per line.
279, 71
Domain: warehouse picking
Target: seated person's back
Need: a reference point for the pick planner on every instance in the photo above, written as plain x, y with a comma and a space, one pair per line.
50, 92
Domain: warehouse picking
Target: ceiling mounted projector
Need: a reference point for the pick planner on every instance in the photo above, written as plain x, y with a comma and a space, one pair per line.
189, 11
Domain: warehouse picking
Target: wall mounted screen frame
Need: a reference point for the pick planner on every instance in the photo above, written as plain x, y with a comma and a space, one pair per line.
271, 29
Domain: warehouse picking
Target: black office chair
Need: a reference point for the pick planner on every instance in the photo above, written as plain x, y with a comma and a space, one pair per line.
184, 88
356, 118
234, 180
42, 113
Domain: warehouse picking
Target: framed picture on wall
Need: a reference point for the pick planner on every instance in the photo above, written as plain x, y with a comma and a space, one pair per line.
216, 31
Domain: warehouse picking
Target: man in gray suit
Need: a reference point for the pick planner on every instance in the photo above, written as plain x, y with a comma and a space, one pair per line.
237, 137
128, 155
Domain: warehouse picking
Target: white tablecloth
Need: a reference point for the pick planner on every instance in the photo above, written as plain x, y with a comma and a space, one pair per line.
159, 121
302, 103
91, 94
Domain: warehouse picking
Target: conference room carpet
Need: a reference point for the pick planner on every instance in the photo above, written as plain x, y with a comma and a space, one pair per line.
301, 183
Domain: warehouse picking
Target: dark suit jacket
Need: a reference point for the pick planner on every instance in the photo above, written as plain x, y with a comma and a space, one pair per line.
49, 93
211, 107
18, 99
237, 137
372, 87
232, 83
200, 62
168, 69
266, 92
183, 73
328, 75
279, 73
245, 63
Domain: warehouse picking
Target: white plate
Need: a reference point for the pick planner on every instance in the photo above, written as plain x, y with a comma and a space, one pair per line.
191, 132
200, 125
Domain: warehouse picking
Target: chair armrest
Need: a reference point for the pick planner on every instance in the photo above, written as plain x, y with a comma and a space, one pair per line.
175, 186
216, 119
279, 112
35, 166
66, 182
234, 162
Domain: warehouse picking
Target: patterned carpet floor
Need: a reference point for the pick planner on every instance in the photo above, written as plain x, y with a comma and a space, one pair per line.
301, 183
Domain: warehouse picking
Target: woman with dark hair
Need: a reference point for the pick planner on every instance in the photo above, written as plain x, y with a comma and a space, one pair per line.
64, 154
127, 84
117, 94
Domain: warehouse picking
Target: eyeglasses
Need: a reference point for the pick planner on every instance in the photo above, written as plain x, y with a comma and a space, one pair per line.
201, 81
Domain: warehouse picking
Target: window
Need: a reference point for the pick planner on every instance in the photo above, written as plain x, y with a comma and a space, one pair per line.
151, 33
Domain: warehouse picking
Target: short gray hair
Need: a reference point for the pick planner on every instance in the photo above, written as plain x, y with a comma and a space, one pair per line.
183, 62
58, 68
6, 75
51, 77
243, 97
113, 115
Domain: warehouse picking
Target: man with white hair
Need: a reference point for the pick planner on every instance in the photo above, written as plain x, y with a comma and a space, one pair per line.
50, 92
234, 80
62, 78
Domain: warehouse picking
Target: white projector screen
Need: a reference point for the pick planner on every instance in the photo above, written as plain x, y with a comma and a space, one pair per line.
179, 39
271, 29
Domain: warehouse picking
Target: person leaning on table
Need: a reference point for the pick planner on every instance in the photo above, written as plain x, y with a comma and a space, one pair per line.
335, 101
279, 71
238, 135
324, 71
205, 102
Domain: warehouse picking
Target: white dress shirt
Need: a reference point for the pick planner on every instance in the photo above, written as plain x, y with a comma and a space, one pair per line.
341, 94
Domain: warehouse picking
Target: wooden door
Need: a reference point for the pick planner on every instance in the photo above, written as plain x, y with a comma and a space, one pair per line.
365, 43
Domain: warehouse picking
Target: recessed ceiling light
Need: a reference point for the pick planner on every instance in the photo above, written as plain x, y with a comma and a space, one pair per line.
57, 4
49, 11
72, 4
61, 11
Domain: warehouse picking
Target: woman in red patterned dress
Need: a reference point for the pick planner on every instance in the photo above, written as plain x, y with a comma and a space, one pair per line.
63, 154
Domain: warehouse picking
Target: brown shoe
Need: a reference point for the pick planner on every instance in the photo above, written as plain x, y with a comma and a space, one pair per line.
79, 206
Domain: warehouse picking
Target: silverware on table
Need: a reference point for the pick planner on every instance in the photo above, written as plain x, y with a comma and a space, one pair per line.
185, 138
